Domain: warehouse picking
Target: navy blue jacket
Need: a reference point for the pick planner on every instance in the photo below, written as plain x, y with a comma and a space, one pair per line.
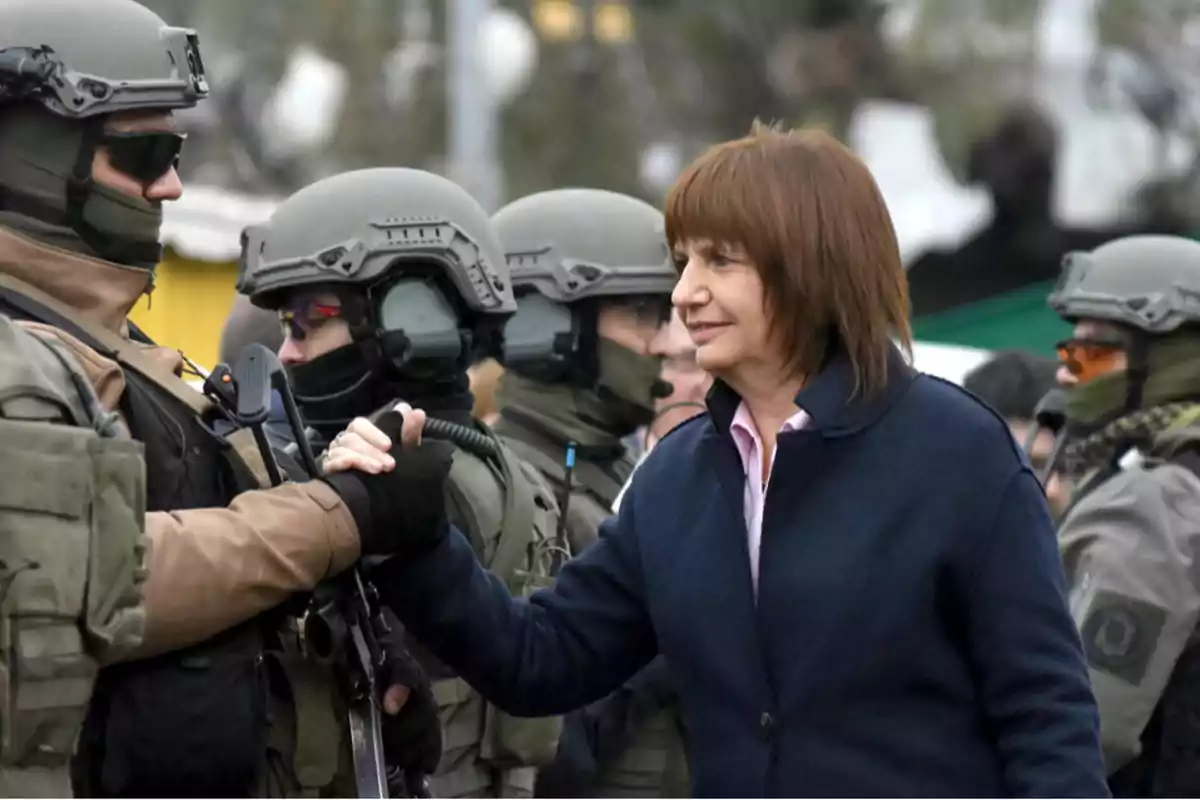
911, 635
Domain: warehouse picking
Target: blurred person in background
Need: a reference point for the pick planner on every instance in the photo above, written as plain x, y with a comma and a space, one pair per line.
689, 388
914, 641
1130, 539
1019, 160
593, 282
485, 383
247, 324
688, 381
1014, 382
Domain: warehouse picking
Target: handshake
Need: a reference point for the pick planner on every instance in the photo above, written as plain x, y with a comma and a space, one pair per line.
392, 481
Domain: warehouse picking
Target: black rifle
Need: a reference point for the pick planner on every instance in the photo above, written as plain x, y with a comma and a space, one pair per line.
344, 624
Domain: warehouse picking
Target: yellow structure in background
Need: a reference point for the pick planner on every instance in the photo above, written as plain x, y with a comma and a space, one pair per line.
197, 279
188, 307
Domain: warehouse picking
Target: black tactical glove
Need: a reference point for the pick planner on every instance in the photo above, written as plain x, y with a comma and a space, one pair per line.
403, 511
412, 739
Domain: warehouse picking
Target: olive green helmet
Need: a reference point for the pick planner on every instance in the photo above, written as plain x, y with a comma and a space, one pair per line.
82, 58
572, 244
354, 228
1148, 282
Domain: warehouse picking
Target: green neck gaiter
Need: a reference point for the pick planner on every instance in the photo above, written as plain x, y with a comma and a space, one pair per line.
1173, 375
631, 378
563, 413
37, 153
592, 418
130, 226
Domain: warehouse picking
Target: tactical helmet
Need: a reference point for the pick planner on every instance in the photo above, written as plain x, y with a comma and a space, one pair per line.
570, 251
1148, 282
567, 246
248, 324
571, 244
82, 58
354, 228
65, 67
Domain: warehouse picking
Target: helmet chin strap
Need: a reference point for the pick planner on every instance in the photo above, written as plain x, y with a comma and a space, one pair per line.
1137, 368
79, 189
80, 186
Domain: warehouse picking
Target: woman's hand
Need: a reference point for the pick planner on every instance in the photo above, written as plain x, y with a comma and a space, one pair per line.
363, 446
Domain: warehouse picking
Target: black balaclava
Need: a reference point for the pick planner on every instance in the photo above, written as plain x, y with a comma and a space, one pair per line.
360, 378
46, 191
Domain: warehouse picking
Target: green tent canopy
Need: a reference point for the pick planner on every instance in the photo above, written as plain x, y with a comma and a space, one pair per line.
1018, 319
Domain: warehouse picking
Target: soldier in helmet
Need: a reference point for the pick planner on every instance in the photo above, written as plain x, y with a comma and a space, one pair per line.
1129, 539
390, 283
593, 279
186, 635
247, 324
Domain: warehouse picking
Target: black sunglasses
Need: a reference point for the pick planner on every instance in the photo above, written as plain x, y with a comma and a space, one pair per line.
144, 155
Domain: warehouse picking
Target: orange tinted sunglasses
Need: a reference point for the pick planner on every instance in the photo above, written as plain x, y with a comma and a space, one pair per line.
1089, 358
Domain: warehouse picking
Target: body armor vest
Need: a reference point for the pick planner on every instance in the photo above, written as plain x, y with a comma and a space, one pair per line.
595, 483
192, 721
654, 761
71, 482
507, 513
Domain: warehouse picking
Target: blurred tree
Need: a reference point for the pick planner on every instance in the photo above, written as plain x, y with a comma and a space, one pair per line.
693, 72
794, 61
364, 35
573, 126
971, 60
696, 71
1148, 60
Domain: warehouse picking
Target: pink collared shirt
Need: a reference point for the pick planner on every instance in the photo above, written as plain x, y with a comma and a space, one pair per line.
750, 447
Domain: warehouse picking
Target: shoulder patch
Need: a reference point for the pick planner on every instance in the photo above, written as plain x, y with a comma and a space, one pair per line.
1120, 635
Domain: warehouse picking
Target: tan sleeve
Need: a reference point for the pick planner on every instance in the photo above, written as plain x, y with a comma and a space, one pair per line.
213, 568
